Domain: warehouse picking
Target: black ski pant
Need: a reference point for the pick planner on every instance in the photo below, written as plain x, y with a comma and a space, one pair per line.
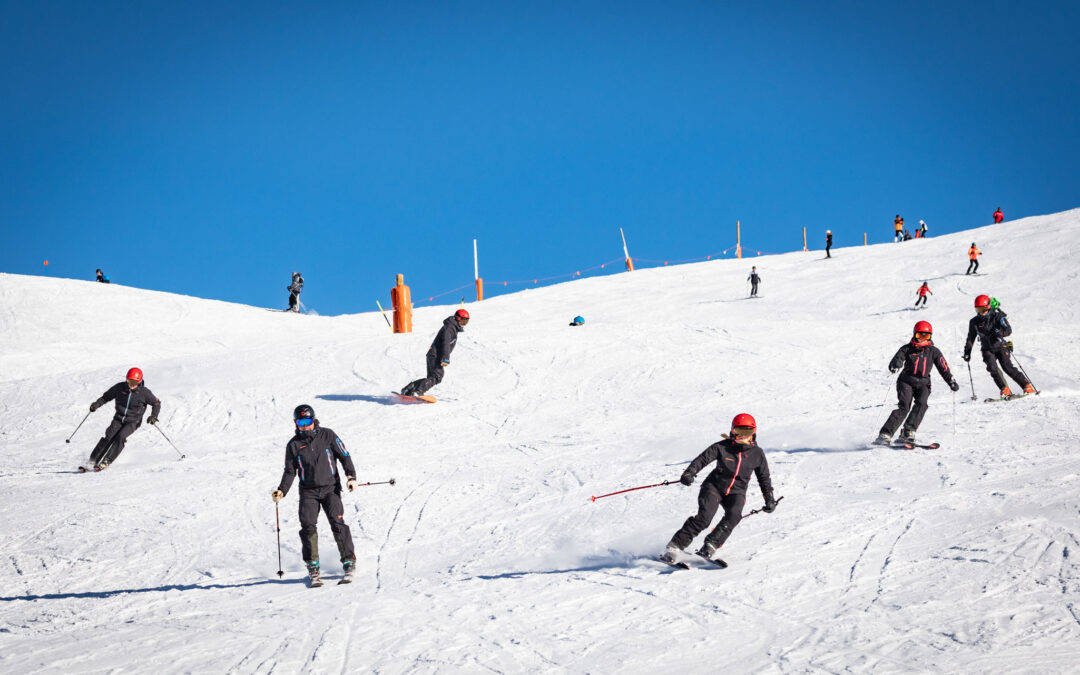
922, 299
1000, 355
434, 376
753, 288
906, 392
827, 247
327, 498
294, 298
710, 499
973, 266
112, 443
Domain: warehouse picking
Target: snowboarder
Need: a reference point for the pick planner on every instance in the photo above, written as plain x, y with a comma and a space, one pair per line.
754, 280
992, 327
578, 321
973, 257
131, 396
907, 236
898, 227
102, 279
828, 243
736, 457
313, 452
998, 215
438, 355
294, 289
923, 291
921, 232
915, 359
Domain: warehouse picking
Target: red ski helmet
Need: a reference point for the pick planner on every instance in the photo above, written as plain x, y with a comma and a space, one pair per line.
462, 314
134, 374
982, 301
744, 420
923, 327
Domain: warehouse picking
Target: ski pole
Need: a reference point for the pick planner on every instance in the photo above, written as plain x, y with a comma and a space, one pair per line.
972, 380
759, 510
182, 455
384, 314
383, 482
642, 487
1024, 372
277, 519
76, 429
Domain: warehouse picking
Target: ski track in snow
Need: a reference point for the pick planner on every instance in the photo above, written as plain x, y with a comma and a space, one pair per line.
488, 555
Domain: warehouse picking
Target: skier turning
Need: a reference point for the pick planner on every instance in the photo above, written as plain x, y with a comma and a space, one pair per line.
131, 396
313, 452
438, 355
992, 327
915, 358
754, 280
736, 458
922, 293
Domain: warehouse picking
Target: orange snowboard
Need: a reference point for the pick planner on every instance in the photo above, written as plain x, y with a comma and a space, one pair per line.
415, 399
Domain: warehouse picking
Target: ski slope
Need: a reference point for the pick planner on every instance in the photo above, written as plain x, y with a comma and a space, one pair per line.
488, 555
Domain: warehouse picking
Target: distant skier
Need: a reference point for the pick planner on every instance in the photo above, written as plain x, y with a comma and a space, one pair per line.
131, 396
923, 291
973, 258
578, 321
898, 227
313, 452
294, 289
754, 280
921, 232
101, 278
992, 327
907, 236
998, 215
915, 358
438, 355
828, 243
736, 458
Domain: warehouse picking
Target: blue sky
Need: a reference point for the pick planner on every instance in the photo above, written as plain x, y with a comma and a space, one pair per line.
211, 148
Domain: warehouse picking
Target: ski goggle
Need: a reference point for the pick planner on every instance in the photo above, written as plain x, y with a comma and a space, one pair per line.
922, 335
743, 432
982, 310
133, 383
305, 422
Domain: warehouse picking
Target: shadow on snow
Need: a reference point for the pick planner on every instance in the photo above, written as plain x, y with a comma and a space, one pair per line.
388, 399
156, 589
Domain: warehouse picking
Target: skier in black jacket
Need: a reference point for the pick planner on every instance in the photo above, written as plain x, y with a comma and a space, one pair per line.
736, 458
992, 327
313, 452
131, 396
438, 355
915, 358
754, 280
828, 243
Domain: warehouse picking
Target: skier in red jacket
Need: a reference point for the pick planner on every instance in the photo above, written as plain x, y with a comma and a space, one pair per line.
998, 215
923, 291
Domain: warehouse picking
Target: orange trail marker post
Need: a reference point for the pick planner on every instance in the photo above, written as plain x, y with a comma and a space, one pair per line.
401, 297
476, 273
738, 239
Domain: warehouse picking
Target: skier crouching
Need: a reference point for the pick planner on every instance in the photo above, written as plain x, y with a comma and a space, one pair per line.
915, 358
438, 355
312, 452
991, 325
131, 397
736, 458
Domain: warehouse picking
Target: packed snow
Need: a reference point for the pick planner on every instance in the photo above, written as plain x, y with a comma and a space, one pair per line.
488, 555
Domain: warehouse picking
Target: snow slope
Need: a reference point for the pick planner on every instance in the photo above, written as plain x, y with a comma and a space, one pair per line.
488, 555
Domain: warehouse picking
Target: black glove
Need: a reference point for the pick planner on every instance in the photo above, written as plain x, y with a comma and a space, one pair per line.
893, 369
954, 386
770, 504
151, 420
1008, 346
687, 478
94, 406
967, 356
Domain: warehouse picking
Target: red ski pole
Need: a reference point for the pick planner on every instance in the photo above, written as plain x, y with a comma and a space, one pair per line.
643, 487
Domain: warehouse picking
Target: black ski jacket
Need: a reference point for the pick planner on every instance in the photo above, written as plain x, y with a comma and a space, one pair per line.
445, 339
312, 454
916, 362
734, 464
754, 278
992, 329
131, 403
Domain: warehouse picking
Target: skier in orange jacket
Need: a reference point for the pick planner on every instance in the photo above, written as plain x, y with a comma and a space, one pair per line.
973, 257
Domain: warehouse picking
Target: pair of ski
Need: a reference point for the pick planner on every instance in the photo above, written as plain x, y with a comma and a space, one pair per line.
682, 565
1004, 398
96, 467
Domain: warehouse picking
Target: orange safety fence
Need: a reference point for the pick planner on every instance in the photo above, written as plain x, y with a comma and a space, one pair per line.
573, 275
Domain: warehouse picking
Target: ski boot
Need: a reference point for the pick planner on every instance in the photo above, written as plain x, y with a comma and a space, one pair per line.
407, 390
907, 436
1006, 392
1029, 389
707, 550
671, 554
101, 466
883, 439
314, 574
350, 568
